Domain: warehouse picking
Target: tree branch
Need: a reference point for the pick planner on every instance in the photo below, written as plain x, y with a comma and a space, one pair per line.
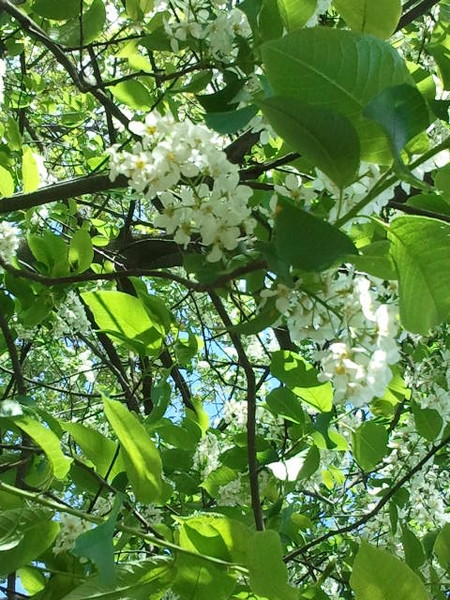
84, 85
384, 500
415, 13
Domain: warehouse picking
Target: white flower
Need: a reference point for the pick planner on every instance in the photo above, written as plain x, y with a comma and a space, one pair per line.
206, 457
71, 528
9, 241
71, 318
235, 411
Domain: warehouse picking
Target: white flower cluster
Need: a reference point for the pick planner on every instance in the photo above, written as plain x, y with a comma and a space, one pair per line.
359, 367
427, 504
361, 330
206, 457
71, 528
169, 595
2, 80
235, 412
170, 151
233, 494
71, 317
218, 30
9, 241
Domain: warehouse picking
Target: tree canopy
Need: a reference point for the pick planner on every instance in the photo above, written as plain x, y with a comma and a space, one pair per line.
224, 299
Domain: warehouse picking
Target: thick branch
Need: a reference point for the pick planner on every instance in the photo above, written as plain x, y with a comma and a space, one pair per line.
58, 192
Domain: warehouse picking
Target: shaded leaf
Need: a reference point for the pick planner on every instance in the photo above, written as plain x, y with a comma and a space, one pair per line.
305, 241
423, 269
377, 575
379, 18
370, 444
268, 573
325, 137
328, 68
301, 377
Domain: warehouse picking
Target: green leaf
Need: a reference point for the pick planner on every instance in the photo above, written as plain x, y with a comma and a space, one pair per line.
295, 14
441, 55
141, 458
379, 18
48, 441
376, 260
402, 113
377, 575
281, 401
414, 554
136, 9
32, 579
325, 137
134, 582
58, 11
231, 121
81, 252
72, 34
301, 377
97, 545
6, 182
423, 269
270, 26
268, 573
14, 135
370, 445
305, 241
196, 579
30, 173
215, 535
25, 533
133, 94
441, 546
428, 422
328, 68
125, 319
100, 450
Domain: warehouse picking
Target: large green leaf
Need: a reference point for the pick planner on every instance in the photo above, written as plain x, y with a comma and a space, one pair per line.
30, 172
295, 14
370, 444
81, 252
377, 575
379, 18
268, 573
74, 33
402, 113
133, 94
337, 70
281, 401
441, 546
125, 319
6, 182
301, 377
323, 136
215, 535
53, 9
423, 268
142, 460
25, 533
305, 241
100, 450
196, 579
97, 545
48, 441
134, 582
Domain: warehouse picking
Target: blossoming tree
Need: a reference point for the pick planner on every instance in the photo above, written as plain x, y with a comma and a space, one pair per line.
224, 299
